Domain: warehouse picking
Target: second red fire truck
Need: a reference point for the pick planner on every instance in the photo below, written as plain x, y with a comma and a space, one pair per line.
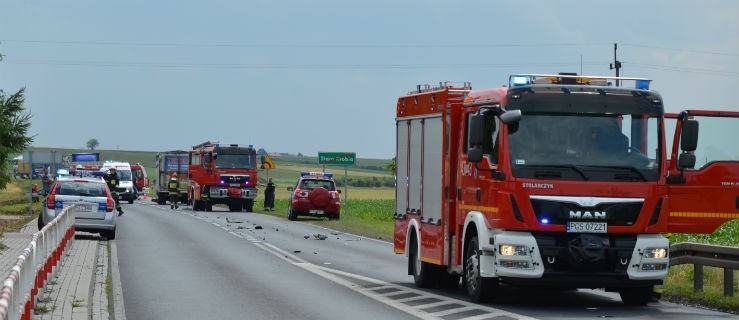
223, 174
555, 180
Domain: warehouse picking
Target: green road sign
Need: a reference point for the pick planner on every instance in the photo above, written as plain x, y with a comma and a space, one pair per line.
337, 158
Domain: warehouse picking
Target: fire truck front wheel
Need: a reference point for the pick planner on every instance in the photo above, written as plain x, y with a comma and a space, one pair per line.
249, 205
638, 296
479, 288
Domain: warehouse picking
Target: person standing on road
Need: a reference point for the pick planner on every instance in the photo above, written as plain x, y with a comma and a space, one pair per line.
112, 180
269, 196
174, 192
46, 181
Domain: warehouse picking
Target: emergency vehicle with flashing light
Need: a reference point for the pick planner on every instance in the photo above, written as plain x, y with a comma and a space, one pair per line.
223, 174
553, 180
94, 204
314, 194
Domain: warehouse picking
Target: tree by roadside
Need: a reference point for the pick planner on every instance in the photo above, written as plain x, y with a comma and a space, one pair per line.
392, 167
14, 124
92, 144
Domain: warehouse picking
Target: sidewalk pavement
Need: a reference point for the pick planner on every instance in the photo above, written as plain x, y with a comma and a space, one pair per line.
77, 290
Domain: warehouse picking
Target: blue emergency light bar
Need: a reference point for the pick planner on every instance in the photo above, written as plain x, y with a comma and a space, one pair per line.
518, 80
62, 172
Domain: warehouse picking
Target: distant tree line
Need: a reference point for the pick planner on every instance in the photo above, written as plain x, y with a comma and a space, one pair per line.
366, 182
312, 162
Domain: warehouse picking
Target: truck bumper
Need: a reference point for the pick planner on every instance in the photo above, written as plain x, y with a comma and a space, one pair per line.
575, 260
218, 192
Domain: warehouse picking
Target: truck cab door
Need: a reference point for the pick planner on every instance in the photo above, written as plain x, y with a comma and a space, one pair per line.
705, 195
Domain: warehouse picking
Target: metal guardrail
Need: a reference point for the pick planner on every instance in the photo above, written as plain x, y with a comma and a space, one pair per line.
33, 267
700, 255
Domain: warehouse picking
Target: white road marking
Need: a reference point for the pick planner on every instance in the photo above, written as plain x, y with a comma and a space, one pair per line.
340, 277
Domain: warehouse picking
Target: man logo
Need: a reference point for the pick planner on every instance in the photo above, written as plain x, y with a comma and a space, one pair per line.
594, 215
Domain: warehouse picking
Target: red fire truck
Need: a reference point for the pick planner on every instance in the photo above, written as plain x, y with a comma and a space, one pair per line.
553, 180
223, 174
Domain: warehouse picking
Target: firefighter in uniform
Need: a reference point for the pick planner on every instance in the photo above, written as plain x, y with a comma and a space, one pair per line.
111, 179
174, 192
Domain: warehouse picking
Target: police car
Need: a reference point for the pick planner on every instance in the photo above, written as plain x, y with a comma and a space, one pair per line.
95, 207
314, 194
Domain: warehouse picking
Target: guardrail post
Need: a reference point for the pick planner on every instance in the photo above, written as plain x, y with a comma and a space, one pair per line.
697, 278
728, 282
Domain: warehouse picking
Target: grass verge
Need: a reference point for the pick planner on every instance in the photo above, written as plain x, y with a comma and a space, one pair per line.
368, 217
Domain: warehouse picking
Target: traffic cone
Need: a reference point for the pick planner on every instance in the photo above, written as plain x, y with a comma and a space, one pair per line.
144, 196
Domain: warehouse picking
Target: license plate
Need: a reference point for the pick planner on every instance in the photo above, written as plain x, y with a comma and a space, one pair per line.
234, 184
316, 211
587, 227
86, 207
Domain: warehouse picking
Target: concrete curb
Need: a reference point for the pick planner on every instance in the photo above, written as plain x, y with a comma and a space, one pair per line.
119, 311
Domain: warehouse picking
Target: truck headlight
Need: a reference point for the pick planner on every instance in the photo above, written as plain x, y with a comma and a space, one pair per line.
512, 250
655, 253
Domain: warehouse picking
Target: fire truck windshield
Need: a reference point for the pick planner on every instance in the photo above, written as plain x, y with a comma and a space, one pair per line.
236, 161
585, 146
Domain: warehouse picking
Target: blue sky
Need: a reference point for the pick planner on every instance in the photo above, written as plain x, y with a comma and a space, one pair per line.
324, 75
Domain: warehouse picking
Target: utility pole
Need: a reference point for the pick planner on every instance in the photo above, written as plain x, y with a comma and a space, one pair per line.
616, 64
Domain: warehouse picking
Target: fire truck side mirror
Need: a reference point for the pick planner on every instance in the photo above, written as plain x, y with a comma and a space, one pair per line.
215, 155
689, 135
476, 130
474, 154
510, 116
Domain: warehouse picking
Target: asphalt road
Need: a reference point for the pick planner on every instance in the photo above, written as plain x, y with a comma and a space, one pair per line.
220, 265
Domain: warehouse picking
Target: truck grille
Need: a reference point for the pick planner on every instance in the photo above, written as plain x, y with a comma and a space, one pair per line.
234, 179
616, 214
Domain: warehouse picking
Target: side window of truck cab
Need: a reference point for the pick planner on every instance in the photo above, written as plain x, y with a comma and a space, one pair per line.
490, 145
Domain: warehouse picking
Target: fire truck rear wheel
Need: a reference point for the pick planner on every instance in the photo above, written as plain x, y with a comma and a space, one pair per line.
249, 205
639, 296
479, 288
424, 273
